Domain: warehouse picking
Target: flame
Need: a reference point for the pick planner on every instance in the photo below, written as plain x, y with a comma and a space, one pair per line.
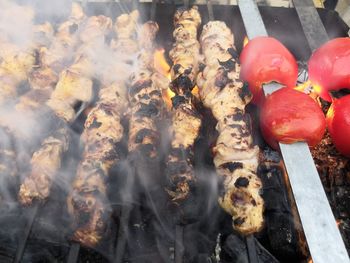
330, 112
245, 41
317, 89
162, 66
311, 90
304, 87
160, 63
168, 94
310, 261
195, 91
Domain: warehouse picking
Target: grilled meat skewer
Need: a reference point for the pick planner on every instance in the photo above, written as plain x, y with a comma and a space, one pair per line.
186, 121
45, 162
88, 202
59, 54
74, 85
235, 156
145, 98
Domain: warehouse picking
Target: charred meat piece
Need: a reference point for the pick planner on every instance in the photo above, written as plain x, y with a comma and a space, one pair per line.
186, 122
235, 156
88, 202
103, 131
59, 54
72, 87
145, 98
45, 163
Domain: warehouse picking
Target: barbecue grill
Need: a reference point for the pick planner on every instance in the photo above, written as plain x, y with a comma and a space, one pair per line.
144, 227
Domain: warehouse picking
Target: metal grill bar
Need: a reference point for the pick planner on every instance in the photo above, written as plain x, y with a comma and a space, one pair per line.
153, 9
73, 253
179, 244
252, 255
30, 215
210, 10
314, 30
313, 206
122, 234
252, 20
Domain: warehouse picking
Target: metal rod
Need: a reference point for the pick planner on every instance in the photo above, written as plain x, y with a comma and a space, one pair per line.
73, 255
210, 10
251, 248
179, 244
80, 111
313, 206
187, 4
30, 215
135, 4
122, 233
252, 20
153, 10
312, 203
311, 23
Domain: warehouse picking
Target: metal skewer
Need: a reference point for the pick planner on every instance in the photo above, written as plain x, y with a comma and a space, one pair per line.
179, 246
210, 10
30, 215
313, 28
73, 253
313, 207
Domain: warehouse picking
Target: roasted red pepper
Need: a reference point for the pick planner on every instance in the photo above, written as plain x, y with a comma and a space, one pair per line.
338, 123
329, 67
290, 116
263, 60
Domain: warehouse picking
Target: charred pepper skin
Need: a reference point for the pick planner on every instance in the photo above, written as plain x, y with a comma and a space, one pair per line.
235, 156
186, 121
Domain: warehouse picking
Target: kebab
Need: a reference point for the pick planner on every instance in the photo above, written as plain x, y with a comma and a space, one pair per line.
88, 202
59, 54
235, 156
145, 99
74, 85
14, 66
44, 161
17, 66
16, 59
186, 121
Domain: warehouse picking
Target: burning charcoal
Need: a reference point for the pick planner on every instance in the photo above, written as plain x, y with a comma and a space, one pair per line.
280, 227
